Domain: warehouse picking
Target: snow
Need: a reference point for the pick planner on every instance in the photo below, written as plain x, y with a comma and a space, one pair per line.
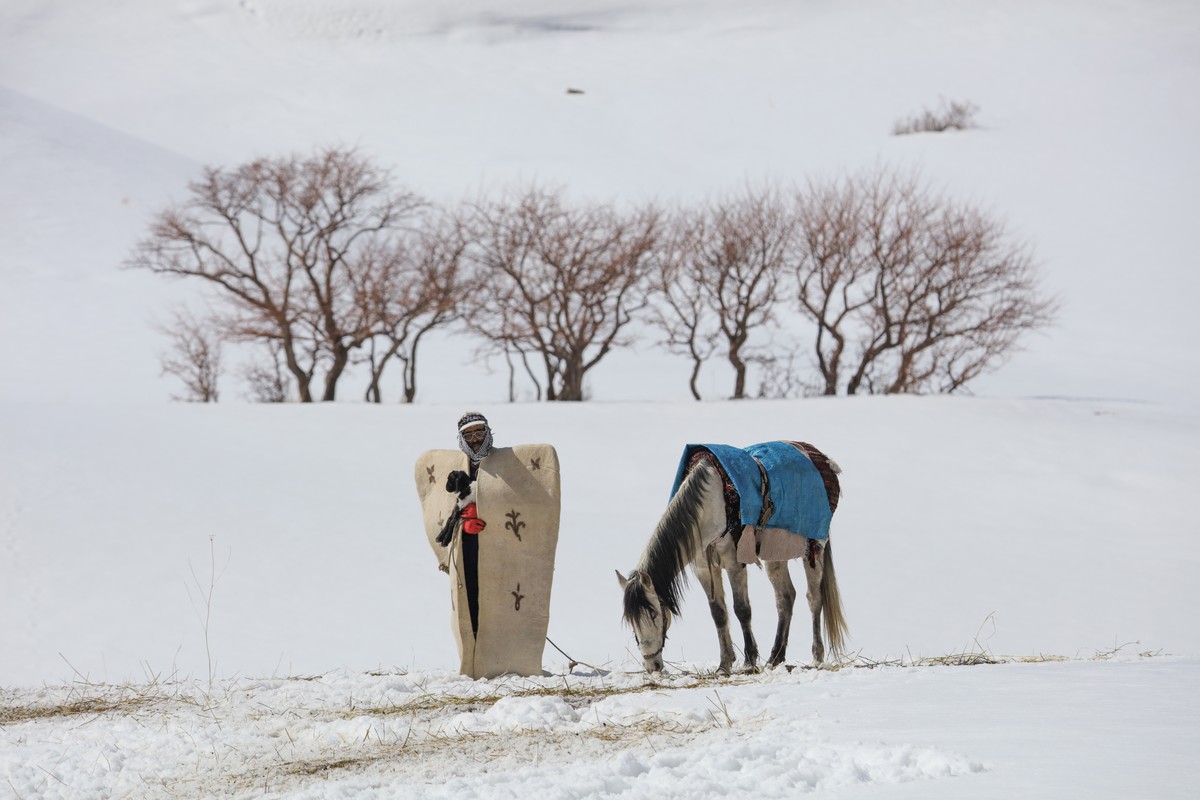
1101, 729
1053, 536
235, 600
1084, 148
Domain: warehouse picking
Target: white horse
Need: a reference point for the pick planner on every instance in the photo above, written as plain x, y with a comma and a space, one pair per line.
694, 531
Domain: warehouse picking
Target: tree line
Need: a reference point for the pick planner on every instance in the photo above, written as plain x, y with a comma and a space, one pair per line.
320, 264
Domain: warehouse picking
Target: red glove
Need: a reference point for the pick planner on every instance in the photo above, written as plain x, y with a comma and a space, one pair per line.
471, 521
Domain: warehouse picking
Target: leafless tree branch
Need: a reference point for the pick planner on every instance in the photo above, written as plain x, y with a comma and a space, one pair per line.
910, 292
558, 281
287, 243
195, 356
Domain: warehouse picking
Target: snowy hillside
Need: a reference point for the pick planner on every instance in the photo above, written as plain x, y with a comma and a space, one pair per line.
1085, 146
236, 599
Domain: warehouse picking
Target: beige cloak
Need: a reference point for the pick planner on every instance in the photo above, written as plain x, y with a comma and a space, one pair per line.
518, 497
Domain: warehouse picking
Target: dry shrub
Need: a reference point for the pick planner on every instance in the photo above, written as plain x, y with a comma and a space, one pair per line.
949, 115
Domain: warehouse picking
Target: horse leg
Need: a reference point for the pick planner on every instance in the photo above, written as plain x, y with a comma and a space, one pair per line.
741, 609
709, 575
814, 567
785, 601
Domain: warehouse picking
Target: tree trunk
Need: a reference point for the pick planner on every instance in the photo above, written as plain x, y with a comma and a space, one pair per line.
373, 394
410, 366
696, 363
572, 385
303, 379
340, 358
739, 371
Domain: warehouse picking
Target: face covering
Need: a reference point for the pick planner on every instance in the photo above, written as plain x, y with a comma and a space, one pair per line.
484, 448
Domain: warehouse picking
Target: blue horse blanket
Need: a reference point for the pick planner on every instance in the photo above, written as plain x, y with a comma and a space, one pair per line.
797, 490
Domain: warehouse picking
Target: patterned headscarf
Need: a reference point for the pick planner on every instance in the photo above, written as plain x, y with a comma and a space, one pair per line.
470, 420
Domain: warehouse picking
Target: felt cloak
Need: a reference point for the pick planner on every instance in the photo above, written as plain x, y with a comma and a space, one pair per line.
517, 495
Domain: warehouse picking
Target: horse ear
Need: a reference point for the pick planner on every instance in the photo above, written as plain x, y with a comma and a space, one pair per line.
621, 579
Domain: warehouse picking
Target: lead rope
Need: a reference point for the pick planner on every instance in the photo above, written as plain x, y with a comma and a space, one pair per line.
572, 663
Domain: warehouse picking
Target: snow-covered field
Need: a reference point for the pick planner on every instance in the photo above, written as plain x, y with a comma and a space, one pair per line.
1107, 729
236, 600
1017, 530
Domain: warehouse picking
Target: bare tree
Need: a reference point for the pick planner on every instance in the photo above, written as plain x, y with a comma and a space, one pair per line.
780, 377
512, 349
718, 280
743, 246
910, 291
195, 356
268, 380
417, 292
680, 309
286, 242
558, 283
837, 280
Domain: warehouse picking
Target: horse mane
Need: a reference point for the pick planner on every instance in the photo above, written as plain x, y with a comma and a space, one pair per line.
673, 545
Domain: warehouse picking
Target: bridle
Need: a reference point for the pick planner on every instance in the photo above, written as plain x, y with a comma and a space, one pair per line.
657, 652
663, 644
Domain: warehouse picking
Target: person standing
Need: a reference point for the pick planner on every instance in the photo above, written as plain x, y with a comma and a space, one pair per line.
491, 516
474, 439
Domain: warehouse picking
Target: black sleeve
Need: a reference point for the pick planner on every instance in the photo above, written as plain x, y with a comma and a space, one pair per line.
447, 532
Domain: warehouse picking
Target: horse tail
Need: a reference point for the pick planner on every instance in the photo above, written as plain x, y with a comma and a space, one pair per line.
831, 606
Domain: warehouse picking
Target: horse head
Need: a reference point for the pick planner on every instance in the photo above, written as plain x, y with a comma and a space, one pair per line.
648, 617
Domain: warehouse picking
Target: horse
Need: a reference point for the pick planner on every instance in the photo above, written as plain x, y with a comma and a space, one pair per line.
696, 530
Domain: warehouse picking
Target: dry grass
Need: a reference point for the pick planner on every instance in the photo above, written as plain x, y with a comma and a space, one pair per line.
98, 699
574, 696
116, 700
967, 658
972, 658
95, 705
976, 654
488, 747
311, 768
428, 742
